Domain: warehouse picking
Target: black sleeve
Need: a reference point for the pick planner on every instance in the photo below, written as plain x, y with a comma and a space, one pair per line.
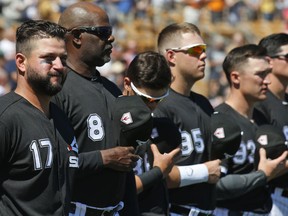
130, 197
4, 140
234, 185
90, 162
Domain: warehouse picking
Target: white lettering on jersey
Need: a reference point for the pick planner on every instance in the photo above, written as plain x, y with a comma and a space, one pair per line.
35, 149
245, 152
73, 161
191, 142
285, 131
95, 127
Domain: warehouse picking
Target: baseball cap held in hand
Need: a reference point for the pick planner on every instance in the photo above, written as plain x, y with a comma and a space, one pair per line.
272, 139
226, 136
133, 120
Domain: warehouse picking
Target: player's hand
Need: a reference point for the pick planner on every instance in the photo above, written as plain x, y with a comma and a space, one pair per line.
214, 170
273, 168
164, 161
120, 158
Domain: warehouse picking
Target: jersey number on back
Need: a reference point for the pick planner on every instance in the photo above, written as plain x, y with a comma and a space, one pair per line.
189, 139
95, 127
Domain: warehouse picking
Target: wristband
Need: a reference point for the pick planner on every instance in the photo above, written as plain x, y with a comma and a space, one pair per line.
193, 174
149, 178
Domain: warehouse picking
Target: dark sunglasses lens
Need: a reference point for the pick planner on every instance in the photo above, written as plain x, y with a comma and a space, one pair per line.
104, 32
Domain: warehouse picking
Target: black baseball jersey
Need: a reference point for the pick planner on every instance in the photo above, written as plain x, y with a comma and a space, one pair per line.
258, 200
154, 200
88, 102
275, 112
38, 159
192, 116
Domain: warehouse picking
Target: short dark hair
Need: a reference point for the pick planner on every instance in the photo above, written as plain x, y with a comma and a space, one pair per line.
238, 56
273, 43
149, 69
172, 33
36, 29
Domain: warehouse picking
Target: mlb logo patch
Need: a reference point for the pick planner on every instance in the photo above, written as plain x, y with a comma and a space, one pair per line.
219, 133
127, 118
263, 139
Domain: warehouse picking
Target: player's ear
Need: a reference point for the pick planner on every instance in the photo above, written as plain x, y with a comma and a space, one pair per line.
170, 57
20, 61
76, 36
127, 86
235, 78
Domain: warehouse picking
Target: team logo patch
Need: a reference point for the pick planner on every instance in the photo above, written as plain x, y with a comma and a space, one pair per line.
263, 139
73, 146
127, 118
219, 133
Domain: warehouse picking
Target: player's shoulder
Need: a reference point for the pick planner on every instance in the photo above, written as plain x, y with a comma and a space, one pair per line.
202, 102
111, 86
224, 108
7, 101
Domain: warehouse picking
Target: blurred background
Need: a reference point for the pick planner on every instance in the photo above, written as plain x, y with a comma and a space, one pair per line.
224, 24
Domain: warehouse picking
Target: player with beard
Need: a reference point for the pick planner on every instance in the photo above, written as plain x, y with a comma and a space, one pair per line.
87, 98
38, 150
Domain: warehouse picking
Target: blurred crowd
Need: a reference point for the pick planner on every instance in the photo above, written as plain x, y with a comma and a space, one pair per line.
225, 24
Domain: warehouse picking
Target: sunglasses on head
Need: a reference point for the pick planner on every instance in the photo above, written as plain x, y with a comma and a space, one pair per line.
147, 98
103, 32
280, 56
195, 49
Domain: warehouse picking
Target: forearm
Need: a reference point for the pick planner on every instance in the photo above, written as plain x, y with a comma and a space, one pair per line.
90, 162
148, 179
181, 176
234, 185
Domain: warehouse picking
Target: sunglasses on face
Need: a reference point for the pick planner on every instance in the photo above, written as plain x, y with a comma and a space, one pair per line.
281, 56
147, 98
195, 49
103, 32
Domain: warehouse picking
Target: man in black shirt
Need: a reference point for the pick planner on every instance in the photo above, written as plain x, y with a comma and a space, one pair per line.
88, 98
38, 150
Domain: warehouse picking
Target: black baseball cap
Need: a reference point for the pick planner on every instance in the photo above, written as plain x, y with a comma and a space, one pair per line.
226, 136
272, 139
133, 120
165, 135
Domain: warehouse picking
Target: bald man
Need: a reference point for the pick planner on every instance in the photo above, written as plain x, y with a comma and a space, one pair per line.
87, 98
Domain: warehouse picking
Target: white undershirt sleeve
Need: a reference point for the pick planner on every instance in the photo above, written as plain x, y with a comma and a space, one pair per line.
193, 174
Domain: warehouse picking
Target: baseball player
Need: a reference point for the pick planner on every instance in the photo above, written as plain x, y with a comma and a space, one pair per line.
87, 98
275, 108
246, 69
148, 77
193, 179
38, 150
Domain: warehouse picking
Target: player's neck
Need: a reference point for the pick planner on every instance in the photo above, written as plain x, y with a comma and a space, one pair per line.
181, 87
41, 102
82, 68
242, 106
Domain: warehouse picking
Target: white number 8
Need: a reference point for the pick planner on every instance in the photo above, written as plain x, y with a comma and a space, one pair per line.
95, 127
